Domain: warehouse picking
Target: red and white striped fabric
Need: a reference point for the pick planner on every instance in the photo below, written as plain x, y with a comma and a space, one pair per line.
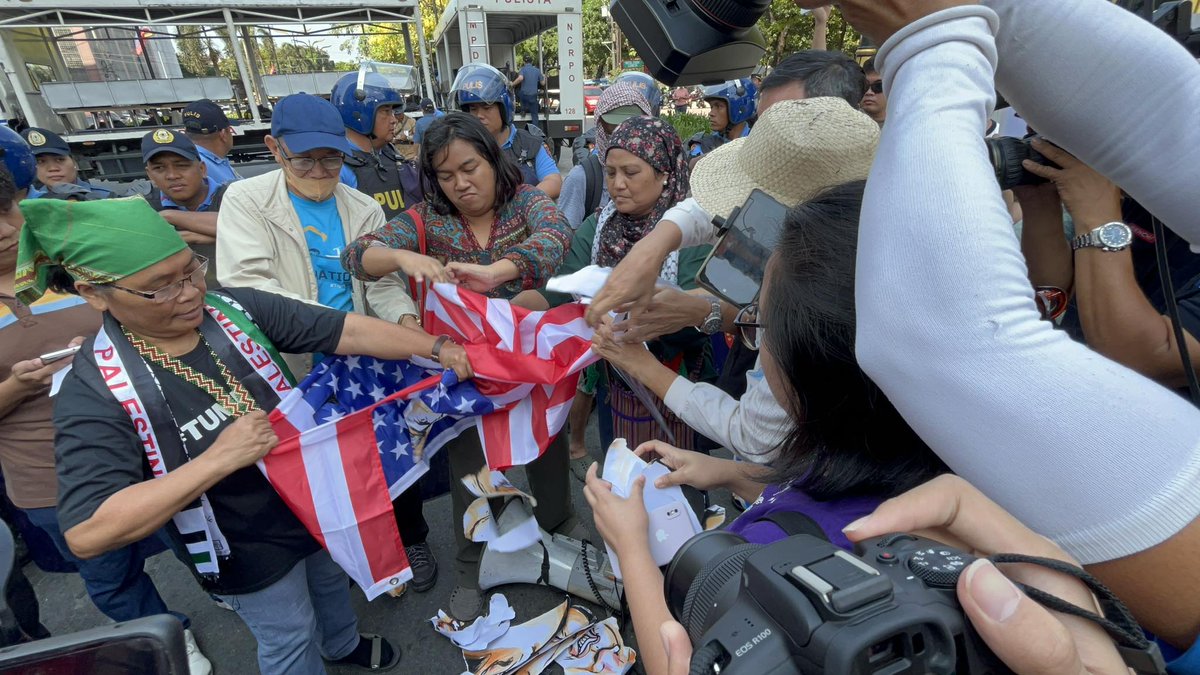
330, 476
528, 363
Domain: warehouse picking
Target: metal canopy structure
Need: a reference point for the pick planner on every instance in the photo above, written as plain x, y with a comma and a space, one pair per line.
131, 13
296, 17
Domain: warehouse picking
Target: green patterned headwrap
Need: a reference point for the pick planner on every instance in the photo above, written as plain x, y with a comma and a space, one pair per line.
98, 241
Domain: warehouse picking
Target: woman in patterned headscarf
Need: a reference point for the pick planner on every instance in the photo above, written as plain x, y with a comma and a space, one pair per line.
647, 173
617, 104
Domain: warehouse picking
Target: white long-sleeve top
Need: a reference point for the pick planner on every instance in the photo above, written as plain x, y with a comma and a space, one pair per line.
695, 224
751, 427
1085, 451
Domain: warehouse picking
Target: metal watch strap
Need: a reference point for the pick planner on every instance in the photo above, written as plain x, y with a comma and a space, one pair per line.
1092, 239
713, 316
437, 347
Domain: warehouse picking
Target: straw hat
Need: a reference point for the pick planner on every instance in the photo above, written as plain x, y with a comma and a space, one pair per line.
797, 149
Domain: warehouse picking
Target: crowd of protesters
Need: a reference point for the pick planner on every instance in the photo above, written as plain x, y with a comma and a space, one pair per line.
914, 359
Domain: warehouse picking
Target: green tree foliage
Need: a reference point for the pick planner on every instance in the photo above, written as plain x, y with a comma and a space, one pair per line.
787, 30
198, 54
385, 41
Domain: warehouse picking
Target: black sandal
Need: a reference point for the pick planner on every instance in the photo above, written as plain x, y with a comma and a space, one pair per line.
375, 663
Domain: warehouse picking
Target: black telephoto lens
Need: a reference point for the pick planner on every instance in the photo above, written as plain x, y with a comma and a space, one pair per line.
704, 577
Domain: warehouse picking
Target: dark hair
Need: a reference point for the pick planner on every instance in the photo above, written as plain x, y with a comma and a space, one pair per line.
461, 126
528, 58
8, 189
822, 73
848, 439
869, 67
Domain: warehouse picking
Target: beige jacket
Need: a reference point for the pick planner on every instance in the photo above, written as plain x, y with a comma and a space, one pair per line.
261, 244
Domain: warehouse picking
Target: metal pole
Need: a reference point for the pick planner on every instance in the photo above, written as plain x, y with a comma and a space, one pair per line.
425, 72
241, 65
254, 63
145, 48
408, 47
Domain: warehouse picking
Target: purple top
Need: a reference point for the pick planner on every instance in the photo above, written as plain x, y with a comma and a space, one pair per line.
831, 516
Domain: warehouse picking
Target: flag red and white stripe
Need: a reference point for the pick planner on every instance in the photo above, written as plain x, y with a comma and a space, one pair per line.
330, 476
527, 362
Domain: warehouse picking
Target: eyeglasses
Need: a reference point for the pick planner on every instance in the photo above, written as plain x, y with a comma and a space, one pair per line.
875, 87
303, 165
171, 291
748, 327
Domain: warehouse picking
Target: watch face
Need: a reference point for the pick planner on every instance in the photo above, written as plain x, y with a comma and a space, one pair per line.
1115, 235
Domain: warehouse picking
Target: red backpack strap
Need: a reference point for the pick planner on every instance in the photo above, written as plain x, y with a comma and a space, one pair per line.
418, 292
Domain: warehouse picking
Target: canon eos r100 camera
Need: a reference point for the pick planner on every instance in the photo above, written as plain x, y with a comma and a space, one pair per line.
803, 605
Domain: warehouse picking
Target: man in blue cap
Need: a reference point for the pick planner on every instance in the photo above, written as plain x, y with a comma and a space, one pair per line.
212, 132
57, 170
284, 232
184, 195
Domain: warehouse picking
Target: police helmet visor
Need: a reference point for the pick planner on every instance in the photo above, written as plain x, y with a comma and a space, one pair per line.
479, 82
396, 76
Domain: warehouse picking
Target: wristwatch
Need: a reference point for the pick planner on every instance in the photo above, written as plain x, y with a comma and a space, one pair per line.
1110, 237
712, 323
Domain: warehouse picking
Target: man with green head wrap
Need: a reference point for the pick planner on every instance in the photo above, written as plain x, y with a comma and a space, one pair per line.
167, 392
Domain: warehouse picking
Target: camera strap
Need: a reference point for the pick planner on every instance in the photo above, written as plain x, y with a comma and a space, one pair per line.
1164, 276
1139, 653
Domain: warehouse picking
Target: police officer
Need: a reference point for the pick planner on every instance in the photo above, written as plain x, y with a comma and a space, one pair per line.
184, 195
731, 108
206, 124
646, 85
484, 92
57, 170
375, 169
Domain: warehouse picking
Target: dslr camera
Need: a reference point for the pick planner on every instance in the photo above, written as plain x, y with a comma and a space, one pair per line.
1007, 153
803, 605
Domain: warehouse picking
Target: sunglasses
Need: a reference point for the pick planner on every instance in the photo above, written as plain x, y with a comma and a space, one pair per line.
875, 87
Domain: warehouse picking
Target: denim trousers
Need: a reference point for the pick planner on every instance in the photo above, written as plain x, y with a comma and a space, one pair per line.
301, 618
531, 104
116, 581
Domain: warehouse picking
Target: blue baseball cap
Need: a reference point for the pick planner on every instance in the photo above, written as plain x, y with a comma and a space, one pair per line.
205, 117
164, 140
45, 142
305, 122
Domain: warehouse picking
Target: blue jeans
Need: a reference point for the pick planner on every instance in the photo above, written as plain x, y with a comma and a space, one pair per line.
530, 103
302, 617
116, 581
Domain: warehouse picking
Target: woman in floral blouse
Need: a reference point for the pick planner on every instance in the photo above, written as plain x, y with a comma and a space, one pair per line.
489, 233
483, 227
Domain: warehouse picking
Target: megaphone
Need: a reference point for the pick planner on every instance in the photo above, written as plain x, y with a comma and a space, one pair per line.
558, 561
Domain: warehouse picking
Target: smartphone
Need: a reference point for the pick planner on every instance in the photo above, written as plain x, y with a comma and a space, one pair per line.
670, 527
735, 267
58, 355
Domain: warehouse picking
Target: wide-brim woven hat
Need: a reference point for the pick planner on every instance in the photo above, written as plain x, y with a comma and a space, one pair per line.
796, 149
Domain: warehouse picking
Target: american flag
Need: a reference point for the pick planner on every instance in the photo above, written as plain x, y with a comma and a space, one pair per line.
349, 432
526, 363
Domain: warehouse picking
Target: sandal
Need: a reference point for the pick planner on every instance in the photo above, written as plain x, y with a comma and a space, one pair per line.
579, 467
375, 662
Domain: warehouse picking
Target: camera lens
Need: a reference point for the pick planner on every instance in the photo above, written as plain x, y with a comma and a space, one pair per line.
703, 576
731, 14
